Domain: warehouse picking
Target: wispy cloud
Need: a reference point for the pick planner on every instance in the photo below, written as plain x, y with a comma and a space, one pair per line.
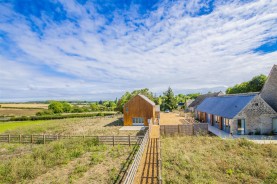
91, 51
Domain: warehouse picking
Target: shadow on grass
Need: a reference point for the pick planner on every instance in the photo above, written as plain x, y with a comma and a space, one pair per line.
118, 122
122, 173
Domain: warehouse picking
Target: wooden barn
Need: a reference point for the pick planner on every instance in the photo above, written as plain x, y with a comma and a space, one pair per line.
139, 110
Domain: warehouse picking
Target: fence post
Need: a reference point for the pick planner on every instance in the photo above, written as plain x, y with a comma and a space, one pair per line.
129, 140
9, 138
84, 137
57, 137
32, 138
178, 129
43, 138
20, 138
113, 140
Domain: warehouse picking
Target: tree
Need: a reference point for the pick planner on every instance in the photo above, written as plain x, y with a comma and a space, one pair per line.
56, 107
257, 83
127, 96
254, 85
169, 101
94, 107
66, 107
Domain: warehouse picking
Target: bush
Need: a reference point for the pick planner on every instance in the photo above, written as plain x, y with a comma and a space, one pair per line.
56, 107
45, 112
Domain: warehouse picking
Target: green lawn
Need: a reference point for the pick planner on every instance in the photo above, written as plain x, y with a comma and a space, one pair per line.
9, 126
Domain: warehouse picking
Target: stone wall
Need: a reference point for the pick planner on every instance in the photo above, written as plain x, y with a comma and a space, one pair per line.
258, 117
269, 91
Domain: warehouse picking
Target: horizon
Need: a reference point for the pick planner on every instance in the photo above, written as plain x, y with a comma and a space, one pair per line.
93, 50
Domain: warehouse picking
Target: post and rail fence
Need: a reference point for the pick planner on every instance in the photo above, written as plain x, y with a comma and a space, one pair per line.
43, 139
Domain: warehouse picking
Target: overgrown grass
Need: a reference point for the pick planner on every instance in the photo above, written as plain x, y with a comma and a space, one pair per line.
42, 158
213, 160
66, 161
80, 126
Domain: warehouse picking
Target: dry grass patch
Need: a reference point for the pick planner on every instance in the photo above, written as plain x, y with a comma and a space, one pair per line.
18, 112
172, 118
74, 126
26, 105
65, 161
213, 160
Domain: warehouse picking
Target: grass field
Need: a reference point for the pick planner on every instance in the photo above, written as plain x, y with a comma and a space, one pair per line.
74, 126
213, 160
66, 161
18, 112
25, 105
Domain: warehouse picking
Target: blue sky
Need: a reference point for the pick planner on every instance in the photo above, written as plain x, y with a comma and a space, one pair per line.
66, 49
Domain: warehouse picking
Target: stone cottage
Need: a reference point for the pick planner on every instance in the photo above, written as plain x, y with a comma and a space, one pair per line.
243, 113
238, 114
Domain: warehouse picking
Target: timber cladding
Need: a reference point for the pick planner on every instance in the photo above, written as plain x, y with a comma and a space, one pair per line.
186, 129
138, 107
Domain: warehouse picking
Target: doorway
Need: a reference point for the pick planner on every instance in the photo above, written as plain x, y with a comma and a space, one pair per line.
241, 126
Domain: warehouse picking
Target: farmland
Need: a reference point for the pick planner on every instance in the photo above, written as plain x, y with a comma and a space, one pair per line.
25, 105
74, 126
64, 161
18, 112
213, 160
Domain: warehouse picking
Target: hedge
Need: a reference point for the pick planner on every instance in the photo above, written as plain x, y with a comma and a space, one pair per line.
64, 116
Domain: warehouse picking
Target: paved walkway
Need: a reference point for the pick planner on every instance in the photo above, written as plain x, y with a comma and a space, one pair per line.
148, 168
260, 139
132, 128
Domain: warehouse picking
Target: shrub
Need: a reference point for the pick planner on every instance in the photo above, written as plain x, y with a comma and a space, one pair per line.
56, 107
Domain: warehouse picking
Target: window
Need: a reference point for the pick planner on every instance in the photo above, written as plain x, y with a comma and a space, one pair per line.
138, 121
126, 109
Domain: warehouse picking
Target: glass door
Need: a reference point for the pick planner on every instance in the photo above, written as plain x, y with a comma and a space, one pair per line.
274, 123
241, 126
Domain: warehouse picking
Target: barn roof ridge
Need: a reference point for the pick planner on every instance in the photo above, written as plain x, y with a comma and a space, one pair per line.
147, 99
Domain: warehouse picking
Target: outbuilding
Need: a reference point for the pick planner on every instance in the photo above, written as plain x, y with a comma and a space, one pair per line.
139, 110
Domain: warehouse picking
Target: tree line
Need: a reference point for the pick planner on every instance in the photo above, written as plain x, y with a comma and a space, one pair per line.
254, 85
166, 101
58, 107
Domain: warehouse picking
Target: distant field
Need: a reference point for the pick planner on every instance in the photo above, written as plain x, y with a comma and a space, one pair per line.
18, 112
25, 105
74, 126
213, 160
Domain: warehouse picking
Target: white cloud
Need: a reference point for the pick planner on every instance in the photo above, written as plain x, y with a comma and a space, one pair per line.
147, 51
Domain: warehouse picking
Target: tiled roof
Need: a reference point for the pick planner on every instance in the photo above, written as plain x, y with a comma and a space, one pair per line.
200, 98
225, 106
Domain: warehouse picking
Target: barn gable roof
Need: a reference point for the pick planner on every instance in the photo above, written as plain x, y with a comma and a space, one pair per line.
147, 99
201, 98
225, 106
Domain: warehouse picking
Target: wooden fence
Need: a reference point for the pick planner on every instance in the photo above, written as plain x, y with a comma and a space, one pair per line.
186, 129
43, 139
131, 172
